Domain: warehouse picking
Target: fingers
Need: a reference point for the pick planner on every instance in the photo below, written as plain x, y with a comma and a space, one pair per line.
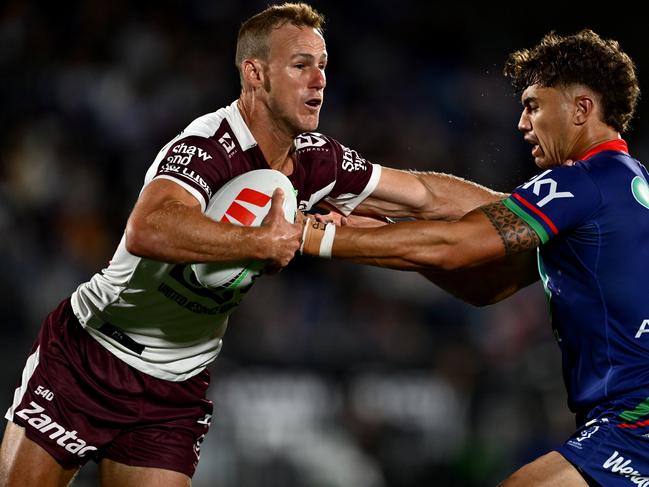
283, 237
300, 218
276, 203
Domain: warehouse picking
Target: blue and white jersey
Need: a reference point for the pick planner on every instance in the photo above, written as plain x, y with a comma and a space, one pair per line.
593, 220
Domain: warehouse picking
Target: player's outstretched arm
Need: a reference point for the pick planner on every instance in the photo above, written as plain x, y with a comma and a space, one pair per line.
167, 224
488, 283
425, 196
482, 258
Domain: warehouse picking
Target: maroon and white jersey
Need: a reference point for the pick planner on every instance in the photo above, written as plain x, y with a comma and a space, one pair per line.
156, 316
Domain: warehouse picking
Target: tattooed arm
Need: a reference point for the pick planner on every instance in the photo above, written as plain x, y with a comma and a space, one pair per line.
483, 235
483, 257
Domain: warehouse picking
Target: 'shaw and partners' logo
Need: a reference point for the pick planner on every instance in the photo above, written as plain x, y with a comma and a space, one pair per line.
182, 154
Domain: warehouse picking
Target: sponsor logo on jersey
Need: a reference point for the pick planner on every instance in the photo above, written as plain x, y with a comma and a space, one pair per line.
640, 191
644, 328
310, 139
69, 440
589, 430
616, 463
539, 184
227, 142
184, 153
187, 173
352, 161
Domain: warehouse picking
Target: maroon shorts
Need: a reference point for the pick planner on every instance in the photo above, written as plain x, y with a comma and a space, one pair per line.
78, 401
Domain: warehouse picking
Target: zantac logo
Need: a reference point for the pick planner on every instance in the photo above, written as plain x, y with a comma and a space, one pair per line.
44, 424
616, 463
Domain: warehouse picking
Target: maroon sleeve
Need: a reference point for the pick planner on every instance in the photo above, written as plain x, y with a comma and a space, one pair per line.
198, 164
353, 172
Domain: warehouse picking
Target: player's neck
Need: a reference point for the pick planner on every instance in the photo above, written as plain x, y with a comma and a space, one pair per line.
274, 140
592, 137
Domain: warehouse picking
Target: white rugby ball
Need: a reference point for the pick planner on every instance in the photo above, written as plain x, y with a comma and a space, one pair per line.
244, 200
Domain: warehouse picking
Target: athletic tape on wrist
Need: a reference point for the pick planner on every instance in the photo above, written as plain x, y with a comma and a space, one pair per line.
304, 232
327, 243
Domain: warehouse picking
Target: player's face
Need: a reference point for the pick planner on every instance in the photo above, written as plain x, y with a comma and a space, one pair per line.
546, 123
295, 77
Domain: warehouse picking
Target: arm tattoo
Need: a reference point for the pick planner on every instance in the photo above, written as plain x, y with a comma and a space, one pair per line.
514, 232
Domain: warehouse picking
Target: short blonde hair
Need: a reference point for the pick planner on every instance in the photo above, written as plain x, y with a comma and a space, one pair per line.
254, 34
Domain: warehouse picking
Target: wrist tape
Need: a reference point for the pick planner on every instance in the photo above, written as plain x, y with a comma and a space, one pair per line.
318, 238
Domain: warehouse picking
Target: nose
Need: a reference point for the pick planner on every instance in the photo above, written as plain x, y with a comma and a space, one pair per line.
524, 124
319, 79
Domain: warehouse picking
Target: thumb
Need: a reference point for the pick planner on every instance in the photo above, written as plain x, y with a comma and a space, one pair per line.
276, 203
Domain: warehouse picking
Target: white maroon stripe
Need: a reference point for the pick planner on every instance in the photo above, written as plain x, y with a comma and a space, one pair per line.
28, 371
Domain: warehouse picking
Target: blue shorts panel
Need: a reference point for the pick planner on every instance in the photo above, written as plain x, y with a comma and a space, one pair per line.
611, 451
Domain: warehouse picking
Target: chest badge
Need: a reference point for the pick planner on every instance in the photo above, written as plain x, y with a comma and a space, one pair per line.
640, 191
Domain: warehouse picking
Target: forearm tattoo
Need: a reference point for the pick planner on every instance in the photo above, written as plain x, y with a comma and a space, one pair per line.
514, 232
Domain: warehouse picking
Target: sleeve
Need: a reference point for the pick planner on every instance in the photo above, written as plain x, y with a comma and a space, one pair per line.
197, 164
356, 178
556, 201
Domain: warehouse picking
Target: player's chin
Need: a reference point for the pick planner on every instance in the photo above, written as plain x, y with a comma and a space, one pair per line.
309, 123
546, 162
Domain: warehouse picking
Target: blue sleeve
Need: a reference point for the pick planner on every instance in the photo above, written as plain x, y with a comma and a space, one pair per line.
555, 201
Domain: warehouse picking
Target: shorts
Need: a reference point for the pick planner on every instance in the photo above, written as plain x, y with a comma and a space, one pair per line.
612, 448
78, 401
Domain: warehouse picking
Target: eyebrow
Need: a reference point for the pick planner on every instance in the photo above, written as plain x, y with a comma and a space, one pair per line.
527, 100
308, 56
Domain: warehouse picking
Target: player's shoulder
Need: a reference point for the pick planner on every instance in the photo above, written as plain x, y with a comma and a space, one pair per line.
609, 169
317, 148
317, 153
223, 133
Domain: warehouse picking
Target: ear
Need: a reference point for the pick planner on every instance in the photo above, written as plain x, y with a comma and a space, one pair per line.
252, 72
584, 108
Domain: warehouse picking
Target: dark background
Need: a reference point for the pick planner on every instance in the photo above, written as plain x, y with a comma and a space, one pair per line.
331, 374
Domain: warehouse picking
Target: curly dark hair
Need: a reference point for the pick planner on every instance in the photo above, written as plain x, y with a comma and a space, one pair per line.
583, 58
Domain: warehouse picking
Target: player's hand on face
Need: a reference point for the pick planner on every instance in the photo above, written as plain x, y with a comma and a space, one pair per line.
282, 237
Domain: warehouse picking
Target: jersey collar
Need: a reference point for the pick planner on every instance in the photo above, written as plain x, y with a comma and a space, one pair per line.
241, 131
618, 145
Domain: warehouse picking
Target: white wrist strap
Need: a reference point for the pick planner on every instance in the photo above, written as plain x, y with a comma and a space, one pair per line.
306, 229
327, 243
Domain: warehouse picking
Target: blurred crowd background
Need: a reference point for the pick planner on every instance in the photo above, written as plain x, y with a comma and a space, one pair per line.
331, 374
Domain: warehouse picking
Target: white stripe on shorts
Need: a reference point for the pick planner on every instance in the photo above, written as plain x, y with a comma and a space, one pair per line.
28, 371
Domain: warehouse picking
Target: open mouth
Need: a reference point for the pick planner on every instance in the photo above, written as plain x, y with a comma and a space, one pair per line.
313, 103
537, 151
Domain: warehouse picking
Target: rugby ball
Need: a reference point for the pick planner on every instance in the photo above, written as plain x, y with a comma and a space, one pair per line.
244, 200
